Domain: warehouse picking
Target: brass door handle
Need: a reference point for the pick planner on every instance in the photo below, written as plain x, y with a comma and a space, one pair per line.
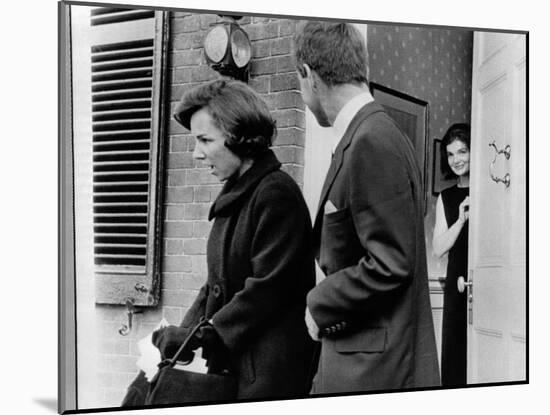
506, 152
461, 284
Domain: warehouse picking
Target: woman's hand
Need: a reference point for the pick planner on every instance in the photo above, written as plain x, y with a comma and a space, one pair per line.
169, 339
445, 237
464, 210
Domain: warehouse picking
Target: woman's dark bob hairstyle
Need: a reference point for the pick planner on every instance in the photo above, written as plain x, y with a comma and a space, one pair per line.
237, 110
460, 132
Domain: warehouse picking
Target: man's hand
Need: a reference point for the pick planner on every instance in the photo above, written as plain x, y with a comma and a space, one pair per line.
312, 327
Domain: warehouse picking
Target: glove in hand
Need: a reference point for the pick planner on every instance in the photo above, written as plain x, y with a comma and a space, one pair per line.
169, 339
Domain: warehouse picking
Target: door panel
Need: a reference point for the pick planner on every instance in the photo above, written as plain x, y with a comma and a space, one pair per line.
497, 243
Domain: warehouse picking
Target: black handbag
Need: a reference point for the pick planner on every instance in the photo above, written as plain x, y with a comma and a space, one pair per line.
175, 386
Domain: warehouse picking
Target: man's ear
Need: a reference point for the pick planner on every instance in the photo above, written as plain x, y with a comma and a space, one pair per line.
301, 70
304, 70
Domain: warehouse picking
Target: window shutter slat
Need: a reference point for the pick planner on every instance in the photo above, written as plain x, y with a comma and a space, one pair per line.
108, 16
126, 75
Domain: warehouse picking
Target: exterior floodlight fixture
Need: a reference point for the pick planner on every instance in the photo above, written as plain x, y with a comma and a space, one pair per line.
228, 49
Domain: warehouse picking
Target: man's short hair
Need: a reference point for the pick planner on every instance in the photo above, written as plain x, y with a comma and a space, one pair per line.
237, 110
335, 51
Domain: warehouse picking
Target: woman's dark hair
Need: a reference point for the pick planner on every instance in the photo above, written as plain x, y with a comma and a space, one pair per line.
336, 51
237, 110
460, 132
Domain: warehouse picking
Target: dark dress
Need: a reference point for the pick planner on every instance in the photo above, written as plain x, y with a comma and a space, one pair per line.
453, 349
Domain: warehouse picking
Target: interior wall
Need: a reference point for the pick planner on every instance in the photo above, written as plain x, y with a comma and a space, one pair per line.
434, 65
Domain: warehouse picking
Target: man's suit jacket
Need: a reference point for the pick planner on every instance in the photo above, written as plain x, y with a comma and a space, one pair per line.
373, 307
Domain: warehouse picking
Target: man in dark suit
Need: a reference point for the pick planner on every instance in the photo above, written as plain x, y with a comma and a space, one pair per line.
372, 311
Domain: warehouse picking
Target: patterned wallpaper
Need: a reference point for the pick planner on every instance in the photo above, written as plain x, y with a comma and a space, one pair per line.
434, 65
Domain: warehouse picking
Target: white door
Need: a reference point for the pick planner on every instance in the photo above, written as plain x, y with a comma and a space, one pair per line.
497, 233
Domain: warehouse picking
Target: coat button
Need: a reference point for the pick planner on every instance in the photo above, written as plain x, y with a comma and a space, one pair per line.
217, 290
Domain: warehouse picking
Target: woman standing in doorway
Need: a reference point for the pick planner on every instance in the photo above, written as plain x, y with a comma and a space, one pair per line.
451, 236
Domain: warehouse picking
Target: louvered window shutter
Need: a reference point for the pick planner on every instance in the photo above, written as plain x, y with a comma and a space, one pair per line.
128, 66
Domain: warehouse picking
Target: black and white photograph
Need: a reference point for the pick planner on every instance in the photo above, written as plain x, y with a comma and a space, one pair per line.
269, 207
288, 210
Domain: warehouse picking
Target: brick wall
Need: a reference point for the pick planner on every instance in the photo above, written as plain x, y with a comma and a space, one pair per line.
190, 190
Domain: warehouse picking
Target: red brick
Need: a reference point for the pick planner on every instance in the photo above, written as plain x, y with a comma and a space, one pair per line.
290, 136
197, 211
134, 351
122, 380
288, 118
285, 82
261, 48
106, 312
259, 19
190, 144
285, 99
181, 161
202, 194
194, 246
215, 191
264, 66
199, 264
150, 316
282, 46
188, 41
263, 30
117, 363
174, 212
178, 144
260, 84
286, 64
177, 177
201, 176
174, 247
293, 155
179, 15
207, 20
287, 27
182, 75
173, 281
177, 92
175, 128
178, 298
296, 172
203, 73
201, 229
173, 229
186, 57
182, 42
115, 346
193, 281
177, 264
113, 397
182, 281
179, 195
187, 24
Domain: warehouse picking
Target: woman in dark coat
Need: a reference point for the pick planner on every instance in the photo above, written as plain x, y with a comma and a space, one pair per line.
451, 236
260, 263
